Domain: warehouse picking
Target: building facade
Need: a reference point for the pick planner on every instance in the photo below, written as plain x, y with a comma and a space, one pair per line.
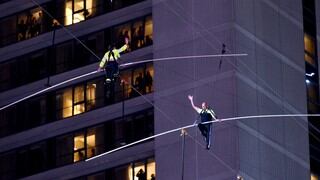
50, 136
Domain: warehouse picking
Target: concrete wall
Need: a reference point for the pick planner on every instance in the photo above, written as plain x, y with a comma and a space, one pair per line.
270, 80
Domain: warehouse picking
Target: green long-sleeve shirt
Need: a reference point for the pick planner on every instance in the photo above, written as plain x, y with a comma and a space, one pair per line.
116, 54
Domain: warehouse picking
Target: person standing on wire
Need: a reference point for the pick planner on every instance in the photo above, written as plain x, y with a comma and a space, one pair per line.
109, 61
206, 114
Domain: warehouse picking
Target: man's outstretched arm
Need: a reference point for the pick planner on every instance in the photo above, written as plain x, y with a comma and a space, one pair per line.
192, 104
124, 47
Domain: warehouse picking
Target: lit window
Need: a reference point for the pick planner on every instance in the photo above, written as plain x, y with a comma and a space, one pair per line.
309, 48
78, 101
81, 10
149, 78
148, 26
78, 148
78, 94
309, 44
314, 177
142, 170
68, 13
91, 144
151, 169
139, 171
91, 95
67, 103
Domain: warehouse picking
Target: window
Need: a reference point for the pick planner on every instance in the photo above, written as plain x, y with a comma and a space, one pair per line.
88, 143
29, 24
64, 104
149, 78
137, 33
143, 170
148, 31
91, 95
314, 177
8, 166
7, 30
123, 173
64, 149
78, 10
151, 169
5, 76
78, 101
309, 49
63, 57
99, 176
79, 147
139, 171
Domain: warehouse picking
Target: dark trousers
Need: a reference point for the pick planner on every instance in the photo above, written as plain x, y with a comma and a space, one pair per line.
112, 69
206, 130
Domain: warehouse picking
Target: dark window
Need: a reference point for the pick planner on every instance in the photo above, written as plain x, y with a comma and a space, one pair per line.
64, 149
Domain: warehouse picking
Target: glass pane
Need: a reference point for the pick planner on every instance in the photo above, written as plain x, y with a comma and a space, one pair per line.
78, 141
137, 34
123, 173
37, 17
151, 169
312, 92
126, 76
68, 12
8, 34
91, 95
309, 59
78, 156
314, 177
91, 143
139, 171
78, 109
78, 94
89, 6
149, 78
138, 76
148, 26
78, 17
120, 133
78, 5
100, 176
67, 103
148, 30
309, 44
64, 150
122, 32
95, 141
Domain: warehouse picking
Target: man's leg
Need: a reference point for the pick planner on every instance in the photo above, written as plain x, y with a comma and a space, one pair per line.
114, 71
108, 70
202, 129
208, 138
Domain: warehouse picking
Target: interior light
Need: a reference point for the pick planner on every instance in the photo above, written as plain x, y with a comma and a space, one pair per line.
307, 81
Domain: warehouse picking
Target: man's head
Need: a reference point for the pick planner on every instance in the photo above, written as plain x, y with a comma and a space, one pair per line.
204, 105
111, 47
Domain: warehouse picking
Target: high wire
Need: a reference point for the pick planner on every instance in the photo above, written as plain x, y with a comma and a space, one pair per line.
193, 125
123, 65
